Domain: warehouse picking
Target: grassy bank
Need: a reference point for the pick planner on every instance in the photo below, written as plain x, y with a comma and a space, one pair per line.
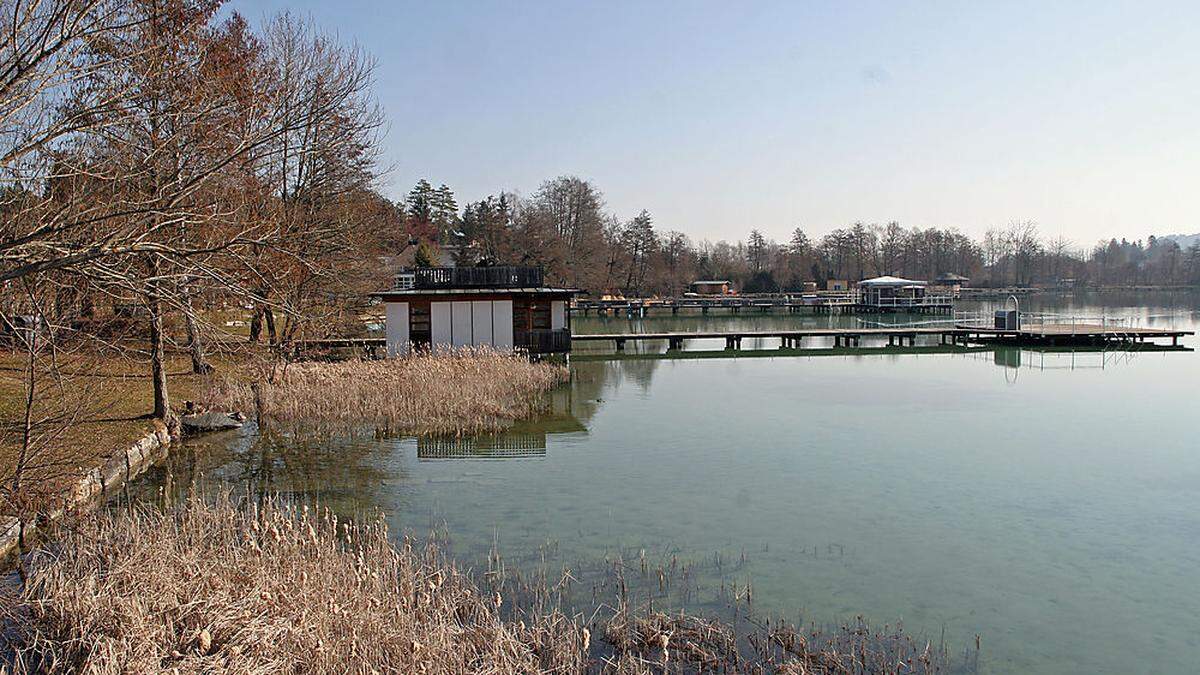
102, 405
217, 588
466, 392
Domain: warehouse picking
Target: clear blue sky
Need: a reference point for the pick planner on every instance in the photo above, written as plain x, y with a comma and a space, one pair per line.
719, 117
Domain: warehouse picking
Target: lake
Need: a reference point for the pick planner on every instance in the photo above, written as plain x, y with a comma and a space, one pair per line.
1047, 501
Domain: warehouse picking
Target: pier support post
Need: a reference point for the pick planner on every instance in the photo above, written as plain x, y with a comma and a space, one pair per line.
620, 345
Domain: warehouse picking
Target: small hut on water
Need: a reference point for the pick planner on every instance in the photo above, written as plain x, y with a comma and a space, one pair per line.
507, 308
890, 291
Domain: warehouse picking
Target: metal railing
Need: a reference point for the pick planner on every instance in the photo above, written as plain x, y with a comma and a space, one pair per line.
1038, 320
922, 301
543, 341
426, 278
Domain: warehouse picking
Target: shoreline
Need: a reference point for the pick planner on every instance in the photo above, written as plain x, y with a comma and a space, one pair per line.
90, 489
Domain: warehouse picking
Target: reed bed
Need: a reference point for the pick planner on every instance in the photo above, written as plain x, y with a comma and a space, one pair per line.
215, 586
210, 587
468, 391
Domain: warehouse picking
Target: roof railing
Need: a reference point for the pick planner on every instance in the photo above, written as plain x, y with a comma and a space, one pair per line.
427, 278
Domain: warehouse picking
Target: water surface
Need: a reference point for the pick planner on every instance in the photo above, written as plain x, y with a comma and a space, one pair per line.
1046, 501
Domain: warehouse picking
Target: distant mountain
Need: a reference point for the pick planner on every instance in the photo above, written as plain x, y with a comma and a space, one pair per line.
1184, 240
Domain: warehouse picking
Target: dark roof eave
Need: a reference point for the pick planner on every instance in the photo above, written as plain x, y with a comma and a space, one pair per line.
417, 292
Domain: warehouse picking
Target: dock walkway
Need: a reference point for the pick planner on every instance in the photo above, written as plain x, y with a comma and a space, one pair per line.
830, 303
1065, 334
959, 334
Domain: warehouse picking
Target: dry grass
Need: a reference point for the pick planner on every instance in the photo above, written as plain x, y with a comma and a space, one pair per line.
217, 589
213, 587
466, 392
113, 397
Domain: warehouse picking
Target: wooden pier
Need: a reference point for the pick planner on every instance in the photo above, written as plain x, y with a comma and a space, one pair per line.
847, 303
1071, 334
1083, 335
902, 336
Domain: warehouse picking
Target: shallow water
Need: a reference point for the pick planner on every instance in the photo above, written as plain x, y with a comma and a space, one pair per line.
1047, 502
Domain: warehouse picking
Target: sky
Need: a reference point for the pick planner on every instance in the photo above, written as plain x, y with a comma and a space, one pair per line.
720, 117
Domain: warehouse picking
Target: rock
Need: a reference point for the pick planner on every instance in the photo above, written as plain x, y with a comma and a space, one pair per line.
209, 421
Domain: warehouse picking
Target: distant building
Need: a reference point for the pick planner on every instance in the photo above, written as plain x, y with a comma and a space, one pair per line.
949, 282
837, 285
809, 287
507, 308
951, 279
712, 287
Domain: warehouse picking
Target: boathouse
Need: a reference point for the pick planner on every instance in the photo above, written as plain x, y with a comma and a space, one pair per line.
891, 292
508, 308
712, 287
949, 282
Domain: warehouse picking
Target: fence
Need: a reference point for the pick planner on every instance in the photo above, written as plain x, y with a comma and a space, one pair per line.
543, 341
426, 278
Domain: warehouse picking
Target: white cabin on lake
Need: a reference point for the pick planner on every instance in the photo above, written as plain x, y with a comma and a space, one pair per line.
507, 308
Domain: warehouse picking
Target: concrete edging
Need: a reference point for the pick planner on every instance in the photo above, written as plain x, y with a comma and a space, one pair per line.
118, 469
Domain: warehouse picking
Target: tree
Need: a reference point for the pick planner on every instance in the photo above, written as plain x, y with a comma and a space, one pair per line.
420, 206
761, 282
891, 248
756, 250
639, 240
570, 213
444, 213
425, 257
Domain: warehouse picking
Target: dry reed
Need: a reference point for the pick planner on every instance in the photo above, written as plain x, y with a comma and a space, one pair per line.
462, 392
215, 587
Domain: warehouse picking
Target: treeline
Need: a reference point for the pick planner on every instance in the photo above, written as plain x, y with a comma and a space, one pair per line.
167, 169
162, 161
565, 228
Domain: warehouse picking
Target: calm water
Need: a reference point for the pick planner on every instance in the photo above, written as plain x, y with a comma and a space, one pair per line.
1049, 502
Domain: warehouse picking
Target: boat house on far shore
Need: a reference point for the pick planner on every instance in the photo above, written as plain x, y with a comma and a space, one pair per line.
893, 293
712, 287
507, 308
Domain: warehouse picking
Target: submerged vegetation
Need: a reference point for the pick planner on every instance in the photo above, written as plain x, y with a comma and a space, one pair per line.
216, 587
474, 390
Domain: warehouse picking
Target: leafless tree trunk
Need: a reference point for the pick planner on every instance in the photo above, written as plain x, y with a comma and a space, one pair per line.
200, 365
158, 372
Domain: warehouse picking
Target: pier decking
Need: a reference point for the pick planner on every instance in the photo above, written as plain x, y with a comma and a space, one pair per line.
843, 303
900, 336
1065, 334
1070, 333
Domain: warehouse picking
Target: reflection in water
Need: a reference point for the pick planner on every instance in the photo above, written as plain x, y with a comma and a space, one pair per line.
347, 475
1047, 517
491, 446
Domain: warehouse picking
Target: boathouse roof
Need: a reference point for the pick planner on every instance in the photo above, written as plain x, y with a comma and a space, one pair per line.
890, 281
951, 276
